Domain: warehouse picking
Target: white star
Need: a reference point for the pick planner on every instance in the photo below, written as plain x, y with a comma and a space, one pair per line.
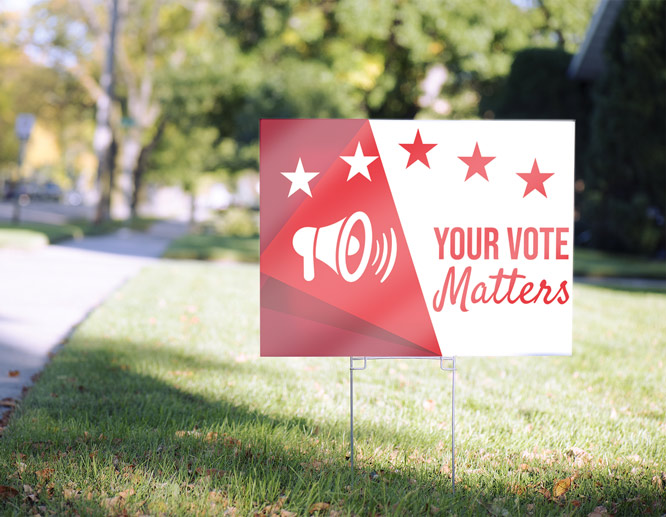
299, 179
359, 163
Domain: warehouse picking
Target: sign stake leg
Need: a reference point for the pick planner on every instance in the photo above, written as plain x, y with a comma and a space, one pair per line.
351, 418
453, 426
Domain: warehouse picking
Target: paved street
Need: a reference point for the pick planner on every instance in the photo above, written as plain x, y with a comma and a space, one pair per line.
45, 293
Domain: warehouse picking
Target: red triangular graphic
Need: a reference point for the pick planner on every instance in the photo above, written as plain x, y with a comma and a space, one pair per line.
374, 280
358, 333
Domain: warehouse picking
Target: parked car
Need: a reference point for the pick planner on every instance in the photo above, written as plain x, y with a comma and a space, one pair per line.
29, 191
50, 191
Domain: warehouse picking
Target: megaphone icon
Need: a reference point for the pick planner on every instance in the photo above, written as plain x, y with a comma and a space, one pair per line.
332, 245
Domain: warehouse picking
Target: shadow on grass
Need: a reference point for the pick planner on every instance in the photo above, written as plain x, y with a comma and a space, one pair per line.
104, 427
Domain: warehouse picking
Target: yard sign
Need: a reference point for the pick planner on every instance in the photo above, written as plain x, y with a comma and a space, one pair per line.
416, 238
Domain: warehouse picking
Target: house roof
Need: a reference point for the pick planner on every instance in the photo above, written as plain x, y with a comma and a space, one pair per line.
588, 63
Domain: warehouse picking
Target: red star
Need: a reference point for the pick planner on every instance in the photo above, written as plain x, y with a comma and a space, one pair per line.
535, 179
477, 163
418, 150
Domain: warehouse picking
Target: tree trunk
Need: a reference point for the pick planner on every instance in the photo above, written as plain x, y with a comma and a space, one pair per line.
142, 165
193, 206
104, 138
106, 184
130, 156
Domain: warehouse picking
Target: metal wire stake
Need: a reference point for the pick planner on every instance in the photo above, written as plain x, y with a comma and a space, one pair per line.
453, 408
351, 417
453, 426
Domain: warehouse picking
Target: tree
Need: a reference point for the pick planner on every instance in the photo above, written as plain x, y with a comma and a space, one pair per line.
73, 36
538, 87
361, 58
625, 178
59, 103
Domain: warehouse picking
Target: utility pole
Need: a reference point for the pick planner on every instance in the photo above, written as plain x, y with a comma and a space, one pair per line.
103, 141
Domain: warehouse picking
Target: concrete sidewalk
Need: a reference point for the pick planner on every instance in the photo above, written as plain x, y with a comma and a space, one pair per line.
45, 293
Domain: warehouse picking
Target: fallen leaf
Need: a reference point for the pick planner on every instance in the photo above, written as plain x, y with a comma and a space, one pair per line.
580, 457
214, 472
524, 467
14, 373
7, 492
428, 404
286, 513
599, 511
44, 474
656, 480
561, 487
70, 494
272, 509
217, 497
318, 507
126, 493
112, 502
517, 489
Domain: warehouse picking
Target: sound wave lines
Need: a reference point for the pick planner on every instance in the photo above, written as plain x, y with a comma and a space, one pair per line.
390, 252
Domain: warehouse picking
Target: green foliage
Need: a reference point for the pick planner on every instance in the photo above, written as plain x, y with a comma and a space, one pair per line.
54, 98
208, 80
366, 58
183, 154
159, 403
30, 234
562, 21
538, 87
625, 178
232, 235
237, 222
13, 235
215, 247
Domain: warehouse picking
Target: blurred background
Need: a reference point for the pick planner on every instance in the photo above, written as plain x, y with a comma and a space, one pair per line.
114, 112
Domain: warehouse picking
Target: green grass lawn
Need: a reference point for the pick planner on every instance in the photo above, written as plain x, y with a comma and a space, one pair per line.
159, 404
214, 247
29, 235
596, 263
